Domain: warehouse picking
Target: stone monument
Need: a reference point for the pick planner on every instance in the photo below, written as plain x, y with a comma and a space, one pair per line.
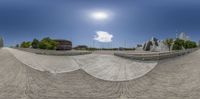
155, 45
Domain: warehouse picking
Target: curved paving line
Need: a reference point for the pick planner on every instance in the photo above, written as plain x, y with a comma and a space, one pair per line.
105, 67
176, 78
45, 63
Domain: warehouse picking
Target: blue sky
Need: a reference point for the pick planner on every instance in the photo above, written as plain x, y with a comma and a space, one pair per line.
129, 21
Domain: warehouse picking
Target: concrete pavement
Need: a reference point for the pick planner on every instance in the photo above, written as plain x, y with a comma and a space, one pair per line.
176, 78
105, 67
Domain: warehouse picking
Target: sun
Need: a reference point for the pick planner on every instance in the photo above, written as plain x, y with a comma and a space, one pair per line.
100, 15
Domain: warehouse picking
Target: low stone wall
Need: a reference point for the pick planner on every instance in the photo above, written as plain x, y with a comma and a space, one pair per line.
54, 52
154, 56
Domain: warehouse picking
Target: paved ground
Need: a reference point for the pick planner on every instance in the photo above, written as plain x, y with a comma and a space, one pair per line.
113, 68
177, 78
53, 64
105, 67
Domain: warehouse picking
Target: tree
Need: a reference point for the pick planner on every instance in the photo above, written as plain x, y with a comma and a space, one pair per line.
25, 44
190, 44
35, 43
17, 46
169, 42
47, 43
178, 44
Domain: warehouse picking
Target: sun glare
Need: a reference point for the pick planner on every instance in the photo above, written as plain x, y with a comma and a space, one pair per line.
100, 15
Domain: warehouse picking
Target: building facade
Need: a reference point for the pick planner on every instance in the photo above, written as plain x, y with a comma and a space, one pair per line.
63, 44
81, 47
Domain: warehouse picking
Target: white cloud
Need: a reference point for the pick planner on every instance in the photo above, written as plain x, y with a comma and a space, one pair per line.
103, 36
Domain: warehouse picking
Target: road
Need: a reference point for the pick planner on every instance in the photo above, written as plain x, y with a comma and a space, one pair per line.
176, 78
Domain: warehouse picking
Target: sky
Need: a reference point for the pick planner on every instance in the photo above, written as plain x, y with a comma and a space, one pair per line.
126, 23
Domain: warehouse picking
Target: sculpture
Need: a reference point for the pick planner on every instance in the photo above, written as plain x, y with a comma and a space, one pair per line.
155, 45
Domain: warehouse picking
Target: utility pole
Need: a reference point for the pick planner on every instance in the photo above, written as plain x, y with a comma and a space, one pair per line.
176, 33
93, 43
125, 44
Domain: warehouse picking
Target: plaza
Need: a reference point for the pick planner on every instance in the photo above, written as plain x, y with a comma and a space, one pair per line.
98, 76
99, 49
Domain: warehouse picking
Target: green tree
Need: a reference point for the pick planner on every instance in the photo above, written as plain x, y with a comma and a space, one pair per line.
47, 43
178, 44
25, 44
35, 43
190, 44
169, 42
17, 46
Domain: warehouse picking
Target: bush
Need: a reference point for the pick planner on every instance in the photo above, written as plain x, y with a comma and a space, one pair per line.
35, 43
47, 43
25, 44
